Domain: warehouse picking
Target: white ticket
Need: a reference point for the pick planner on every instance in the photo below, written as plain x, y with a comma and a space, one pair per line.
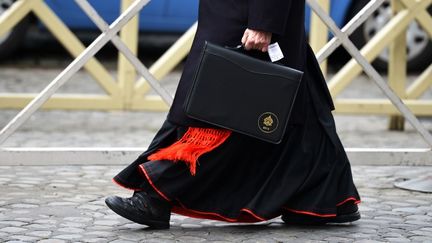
275, 52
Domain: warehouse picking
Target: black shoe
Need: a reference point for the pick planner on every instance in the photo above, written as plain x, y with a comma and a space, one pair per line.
142, 209
344, 215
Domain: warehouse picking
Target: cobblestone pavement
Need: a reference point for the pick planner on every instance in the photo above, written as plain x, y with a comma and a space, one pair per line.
64, 204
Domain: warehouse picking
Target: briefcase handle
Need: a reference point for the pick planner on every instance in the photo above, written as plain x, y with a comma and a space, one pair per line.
241, 48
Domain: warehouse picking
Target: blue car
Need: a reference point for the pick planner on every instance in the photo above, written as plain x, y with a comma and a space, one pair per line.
175, 16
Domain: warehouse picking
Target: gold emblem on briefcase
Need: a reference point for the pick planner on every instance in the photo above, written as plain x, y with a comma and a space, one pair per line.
268, 122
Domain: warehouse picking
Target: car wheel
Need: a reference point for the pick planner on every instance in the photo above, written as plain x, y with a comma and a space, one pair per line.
419, 45
10, 41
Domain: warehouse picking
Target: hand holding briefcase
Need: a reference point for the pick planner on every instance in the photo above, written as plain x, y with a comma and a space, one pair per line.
241, 93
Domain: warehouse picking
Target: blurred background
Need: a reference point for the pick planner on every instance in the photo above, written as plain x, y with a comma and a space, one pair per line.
161, 22
30, 57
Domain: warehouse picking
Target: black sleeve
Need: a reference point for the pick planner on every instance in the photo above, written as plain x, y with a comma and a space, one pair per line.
269, 15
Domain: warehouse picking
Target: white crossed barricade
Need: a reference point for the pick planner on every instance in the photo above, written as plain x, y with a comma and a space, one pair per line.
109, 33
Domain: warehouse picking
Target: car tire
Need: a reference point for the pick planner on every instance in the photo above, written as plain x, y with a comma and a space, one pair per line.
13, 39
419, 39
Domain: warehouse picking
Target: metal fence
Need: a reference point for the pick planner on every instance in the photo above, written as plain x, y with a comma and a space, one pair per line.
127, 94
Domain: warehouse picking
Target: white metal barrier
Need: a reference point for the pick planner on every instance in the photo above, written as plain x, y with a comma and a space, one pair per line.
368, 69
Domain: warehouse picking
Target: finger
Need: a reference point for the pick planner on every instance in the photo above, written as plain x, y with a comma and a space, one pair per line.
245, 37
266, 43
261, 45
257, 44
260, 42
265, 46
249, 44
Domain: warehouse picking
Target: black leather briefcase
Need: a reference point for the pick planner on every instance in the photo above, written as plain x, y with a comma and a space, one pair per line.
241, 93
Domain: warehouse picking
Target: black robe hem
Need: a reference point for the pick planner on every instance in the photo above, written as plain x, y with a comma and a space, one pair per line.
245, 215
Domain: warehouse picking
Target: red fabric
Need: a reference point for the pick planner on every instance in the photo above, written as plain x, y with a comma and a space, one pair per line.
194, 143
349, 199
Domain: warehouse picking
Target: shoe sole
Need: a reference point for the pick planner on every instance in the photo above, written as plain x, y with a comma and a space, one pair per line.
344, 218
150, 223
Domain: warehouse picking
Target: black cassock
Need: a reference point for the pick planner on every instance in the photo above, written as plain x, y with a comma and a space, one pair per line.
246, 180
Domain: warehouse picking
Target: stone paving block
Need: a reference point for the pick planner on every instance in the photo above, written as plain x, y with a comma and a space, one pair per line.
121, 241
51, 241
41, 226
337, 239
71, 230
91, 240
12, 223
79, 219
68, 236
423, 233
429, 229
369, 241
24, 238
100, 233
43, 234
397, 240
419, 223
13, 230
420, 239
72, 225
107, 222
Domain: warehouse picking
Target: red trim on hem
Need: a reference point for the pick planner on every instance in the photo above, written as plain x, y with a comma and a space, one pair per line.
310, 213
249, 217
202, 215
349, 199
151, 183
216, 216
253, 214
124, 186
324, 215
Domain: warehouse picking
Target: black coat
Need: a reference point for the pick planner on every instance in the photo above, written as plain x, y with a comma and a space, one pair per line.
223, 22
